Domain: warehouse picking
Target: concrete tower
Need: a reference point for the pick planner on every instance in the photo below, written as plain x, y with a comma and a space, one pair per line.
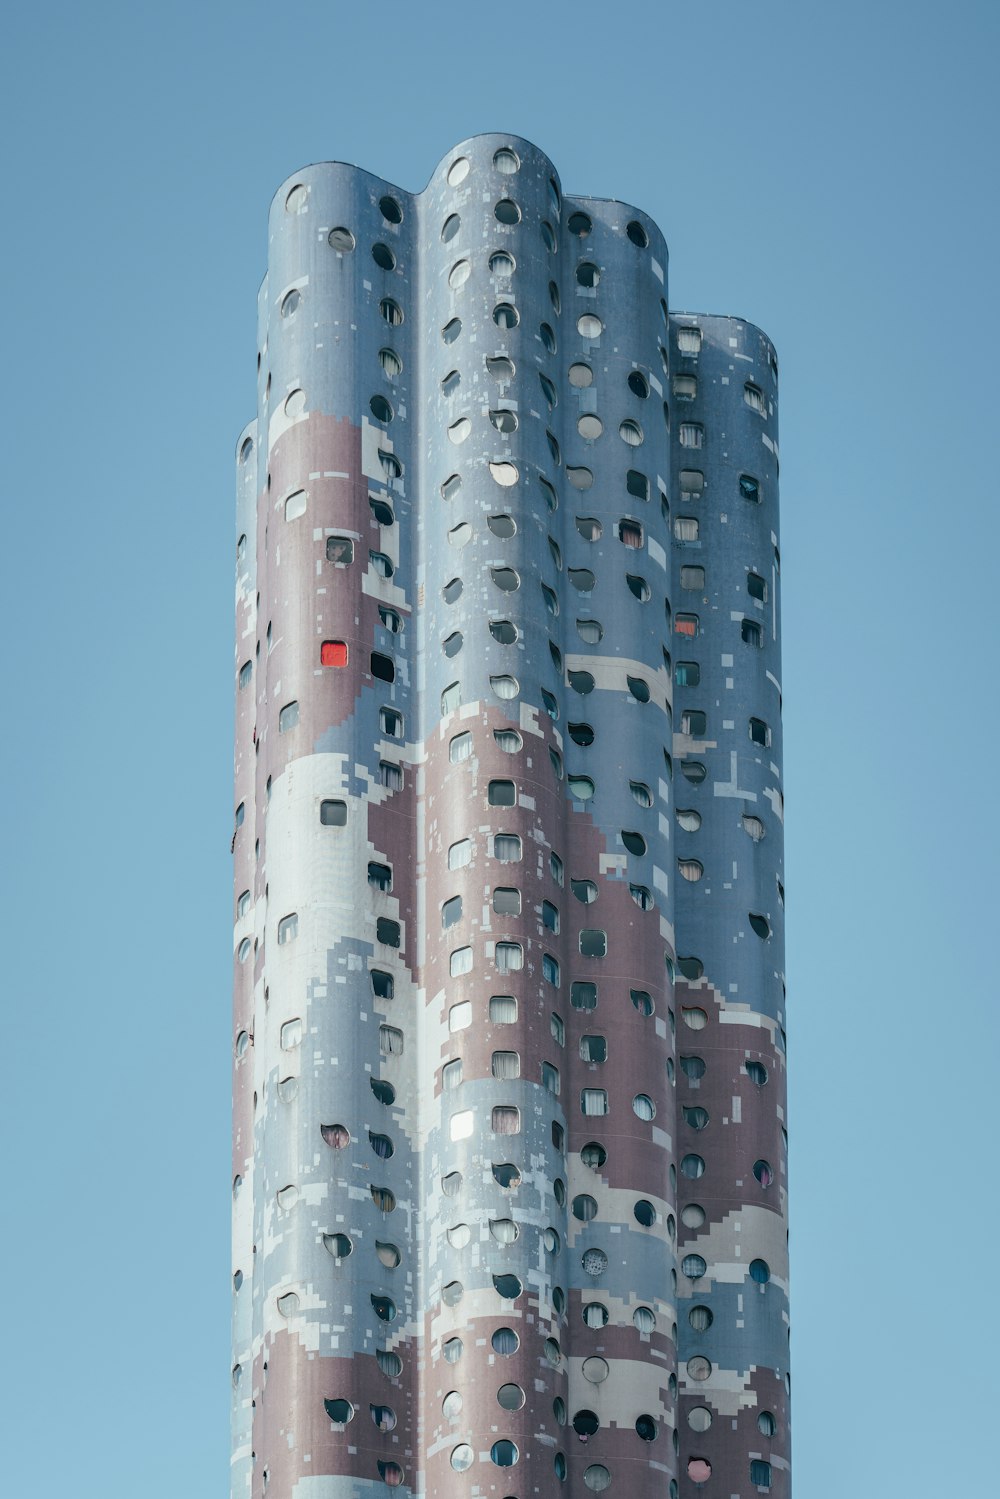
509, 1180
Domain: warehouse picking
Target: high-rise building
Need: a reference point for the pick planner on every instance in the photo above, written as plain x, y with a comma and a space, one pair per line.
509, 1167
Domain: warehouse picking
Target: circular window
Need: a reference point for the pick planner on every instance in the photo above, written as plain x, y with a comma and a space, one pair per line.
760, 1271
590, 426
502, 263
637, 234
391, 312
290, 304
548, 236
581, 376
693, 1266
450, 227
644, 1213
630, 432
510, 1397
580, 224
595, 1314
451, 1405
451, 1351
699, 1418
762, 1171
646, 1428
380, 409
341, 239
693, 1167
462, 1457
699, 1470
756, 1072
584, 1208
390, 209
589, 326
506, 315
700, 1318
595, 1370
594, 1155
295, 403
505, 1341
587, 273
297, 199
459, 274
699, 1367
504, 1453
383, 257
506, 161
458, 171
507, 212
548, 338
644, 1320
594, 1262
597, 1478
692, 1216
390, 362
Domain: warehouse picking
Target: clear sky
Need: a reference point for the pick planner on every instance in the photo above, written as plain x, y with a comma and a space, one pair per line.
828, 171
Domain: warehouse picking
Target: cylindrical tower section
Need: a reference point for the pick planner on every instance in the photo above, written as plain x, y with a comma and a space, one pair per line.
733, 1340
493, 820
335, 1185
618, 908
243, 967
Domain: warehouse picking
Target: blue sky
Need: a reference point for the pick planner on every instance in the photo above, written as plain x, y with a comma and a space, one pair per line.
826, 171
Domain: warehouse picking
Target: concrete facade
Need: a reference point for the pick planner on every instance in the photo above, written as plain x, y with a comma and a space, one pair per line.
509, 1160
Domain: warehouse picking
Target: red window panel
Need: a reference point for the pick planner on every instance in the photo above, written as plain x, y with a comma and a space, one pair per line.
333, 653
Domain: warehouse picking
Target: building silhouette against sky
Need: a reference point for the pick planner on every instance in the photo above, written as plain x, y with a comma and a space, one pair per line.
509, 1165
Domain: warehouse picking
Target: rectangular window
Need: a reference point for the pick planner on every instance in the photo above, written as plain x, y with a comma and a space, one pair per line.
451, 699
333, 814
460, 1016
390, 721
506, 1120
593, 1102
509, 957
693, 579
288, 717
685, 387
583, 996
754, 398
501, 793
390, 1041
460, 962
686, 624
760, 733
246, 672
686, 528
506, 1065
340, 550
295, 505
333, 653
379, 876
692, 482
391, 776
503, 1009
507, 847
288, 928
749, 488
687, 673
506, 901
388, 932
550, 1078
692, 435
550, 970
460, 854
750, 632
694, 723
689, 340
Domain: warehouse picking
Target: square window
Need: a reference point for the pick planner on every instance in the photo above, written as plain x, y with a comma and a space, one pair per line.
333, 653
